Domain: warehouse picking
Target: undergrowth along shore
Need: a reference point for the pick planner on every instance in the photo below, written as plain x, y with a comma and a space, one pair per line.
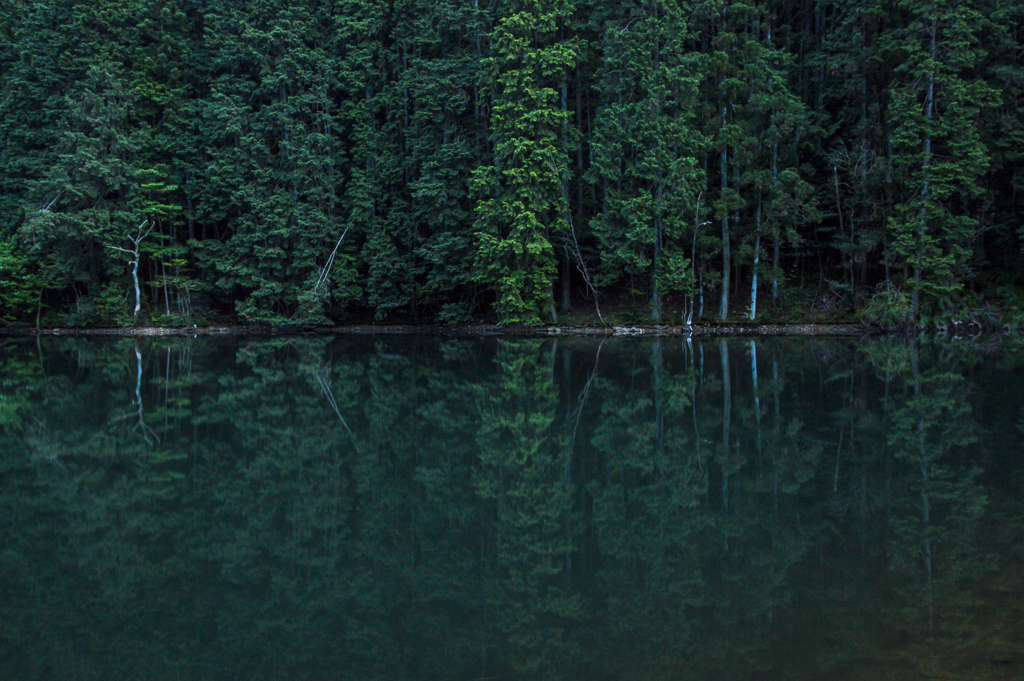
615, 330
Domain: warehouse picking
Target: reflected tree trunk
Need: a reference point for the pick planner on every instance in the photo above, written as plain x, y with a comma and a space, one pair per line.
923, 463
140, 411
757, 394
776, 389
723, 351
693, 402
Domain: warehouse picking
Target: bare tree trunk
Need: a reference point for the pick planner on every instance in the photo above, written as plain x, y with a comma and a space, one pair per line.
757, 261
723, 309
566, 299
842, 228
167, 299
655, 292
138, 293
573, 246
778, 231
134, 262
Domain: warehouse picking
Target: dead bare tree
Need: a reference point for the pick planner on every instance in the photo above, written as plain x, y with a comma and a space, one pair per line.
134, 262
573, 248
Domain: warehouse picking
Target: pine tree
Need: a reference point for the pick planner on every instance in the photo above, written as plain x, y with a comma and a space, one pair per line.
442, 111
19, 287
520, 200
778, 199
645, 149
938, 148
273, 172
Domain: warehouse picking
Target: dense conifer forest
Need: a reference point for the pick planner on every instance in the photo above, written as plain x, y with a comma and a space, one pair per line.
179, 161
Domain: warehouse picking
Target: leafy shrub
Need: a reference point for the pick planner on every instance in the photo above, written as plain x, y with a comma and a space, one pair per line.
889, 309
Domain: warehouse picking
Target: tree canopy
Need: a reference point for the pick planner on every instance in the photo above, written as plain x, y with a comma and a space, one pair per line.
327, 160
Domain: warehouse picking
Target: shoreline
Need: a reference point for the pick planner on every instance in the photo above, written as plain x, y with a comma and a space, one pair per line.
539, 330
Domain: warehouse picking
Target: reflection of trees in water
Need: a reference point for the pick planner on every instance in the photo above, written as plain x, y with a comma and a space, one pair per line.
520, 470
421, 508
936, 512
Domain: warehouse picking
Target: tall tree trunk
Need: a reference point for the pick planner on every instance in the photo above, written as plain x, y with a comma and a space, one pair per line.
778, 230
842, 227
566, 299
757, 260
655, 292
723, 309
135, 279
928, 108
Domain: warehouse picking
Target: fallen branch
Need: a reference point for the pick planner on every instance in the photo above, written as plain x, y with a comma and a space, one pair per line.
326, 271
573, 247
50, 204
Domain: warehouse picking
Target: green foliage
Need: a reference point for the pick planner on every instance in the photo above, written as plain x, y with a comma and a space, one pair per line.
939, 148
19, 288
318, 160
645, 149
520, 197
889, 309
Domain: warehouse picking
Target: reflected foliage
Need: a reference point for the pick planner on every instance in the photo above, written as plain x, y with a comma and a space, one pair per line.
429, 508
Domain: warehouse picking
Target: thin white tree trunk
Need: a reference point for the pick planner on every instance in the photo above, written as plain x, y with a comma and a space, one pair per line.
723, 309
135, 278
134, 262
757, 260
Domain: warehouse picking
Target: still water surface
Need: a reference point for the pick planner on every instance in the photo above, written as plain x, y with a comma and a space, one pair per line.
427, 508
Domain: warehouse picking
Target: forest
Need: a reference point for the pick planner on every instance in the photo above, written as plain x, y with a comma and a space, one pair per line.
176, 162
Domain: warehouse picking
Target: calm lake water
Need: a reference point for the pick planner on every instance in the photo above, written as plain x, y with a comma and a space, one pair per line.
428, 508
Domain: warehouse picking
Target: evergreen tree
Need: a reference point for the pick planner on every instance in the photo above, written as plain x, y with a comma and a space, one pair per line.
277, 172
520, 200
938, 148
420, 160
645, 149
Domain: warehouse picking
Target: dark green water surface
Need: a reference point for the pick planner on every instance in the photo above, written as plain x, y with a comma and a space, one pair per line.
427, 508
